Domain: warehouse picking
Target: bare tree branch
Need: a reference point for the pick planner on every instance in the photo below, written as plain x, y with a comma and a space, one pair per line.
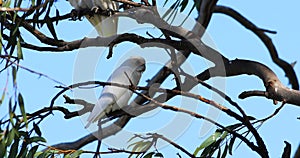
275, 90
288, 69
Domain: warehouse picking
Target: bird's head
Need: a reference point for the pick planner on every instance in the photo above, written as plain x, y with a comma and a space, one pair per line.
136, 62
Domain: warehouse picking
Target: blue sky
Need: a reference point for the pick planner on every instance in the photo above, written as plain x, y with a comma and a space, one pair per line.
228, 36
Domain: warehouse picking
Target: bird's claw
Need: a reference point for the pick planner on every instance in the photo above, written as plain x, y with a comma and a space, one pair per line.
95, 9
109, 12
76, 14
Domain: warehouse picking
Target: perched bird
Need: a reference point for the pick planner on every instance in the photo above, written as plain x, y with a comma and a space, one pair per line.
113, 98
105, 27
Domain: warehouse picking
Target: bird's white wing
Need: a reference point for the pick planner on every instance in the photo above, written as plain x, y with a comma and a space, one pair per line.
105, 26
112, 97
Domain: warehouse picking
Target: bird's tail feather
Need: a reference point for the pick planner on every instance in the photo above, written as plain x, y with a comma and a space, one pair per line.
105, 26
100, 109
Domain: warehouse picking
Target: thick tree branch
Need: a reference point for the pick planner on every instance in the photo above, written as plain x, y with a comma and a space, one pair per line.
107, 131
274, 88
288, 69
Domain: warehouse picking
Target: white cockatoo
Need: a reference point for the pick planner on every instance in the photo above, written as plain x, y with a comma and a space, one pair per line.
114, 98
105, 27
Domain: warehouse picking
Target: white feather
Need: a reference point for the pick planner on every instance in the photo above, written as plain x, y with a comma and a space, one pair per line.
113, 98
105, 26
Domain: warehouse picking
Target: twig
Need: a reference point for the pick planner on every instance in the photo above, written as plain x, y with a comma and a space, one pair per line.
37, 73
196, 115
172, 143
272, 115
7, 57
5, 9
70, 151
221, 94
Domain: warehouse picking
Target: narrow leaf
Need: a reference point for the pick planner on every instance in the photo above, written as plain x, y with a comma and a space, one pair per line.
37, 154
10, 137
37, 139
77, 153
57, 15
219, 153
230, 146
22, 108
225, 151
130, 145
7, 4
14, 149
2, 148
14, 75
224, 135
67, 156
24, 150
135, 136
183, 5
149, 155
32, 2
37, 129
2, 97
32, 152
158, 155
208, 141
19, 49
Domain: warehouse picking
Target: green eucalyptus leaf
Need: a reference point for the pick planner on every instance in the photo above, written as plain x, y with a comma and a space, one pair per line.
37, 154
14, 149
67, 156
149, 155
57, 15
2, 148
183, 5
225, 151
234, 126
32, 152
76, 153
219, 153
37, 139
230, 146
211, 149
210, 140
22, 108
135, 136
19, 49
2, 97
158, 155
224, 135
32, 2
37, 129
133, 144
7, 3
24, 149
14, 75
10, 137
146, 146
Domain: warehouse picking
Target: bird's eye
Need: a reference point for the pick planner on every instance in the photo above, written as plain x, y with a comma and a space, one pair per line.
141, 68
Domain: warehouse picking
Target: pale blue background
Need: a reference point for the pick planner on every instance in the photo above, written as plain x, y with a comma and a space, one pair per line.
232, 39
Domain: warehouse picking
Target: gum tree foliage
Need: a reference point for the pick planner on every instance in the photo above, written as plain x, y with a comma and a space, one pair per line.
21, 136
